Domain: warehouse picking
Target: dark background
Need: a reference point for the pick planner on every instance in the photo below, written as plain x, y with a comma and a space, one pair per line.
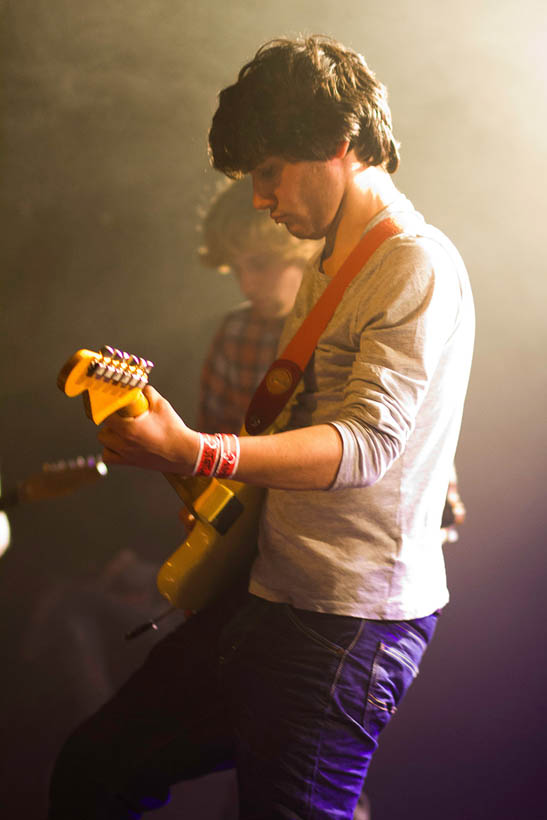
105, 108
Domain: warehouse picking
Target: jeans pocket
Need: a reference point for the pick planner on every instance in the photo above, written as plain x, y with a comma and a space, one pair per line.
393, 670
336, 633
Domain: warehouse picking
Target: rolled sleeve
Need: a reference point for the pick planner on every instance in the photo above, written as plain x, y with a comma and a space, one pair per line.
400, 330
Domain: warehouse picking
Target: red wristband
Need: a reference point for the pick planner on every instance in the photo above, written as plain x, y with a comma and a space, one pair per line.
208, 454
229, 456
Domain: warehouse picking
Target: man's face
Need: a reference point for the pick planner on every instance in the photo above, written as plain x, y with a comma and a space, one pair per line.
268, 282
304, 196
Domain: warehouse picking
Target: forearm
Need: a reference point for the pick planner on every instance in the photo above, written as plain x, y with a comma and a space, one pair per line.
305, 459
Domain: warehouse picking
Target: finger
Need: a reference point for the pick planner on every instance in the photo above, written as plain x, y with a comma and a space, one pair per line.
112, 425
449, 535
113, 446
111, 456
109, 438
459, 512
156, 401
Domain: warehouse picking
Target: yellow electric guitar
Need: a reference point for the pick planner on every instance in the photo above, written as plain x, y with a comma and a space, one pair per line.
223, 540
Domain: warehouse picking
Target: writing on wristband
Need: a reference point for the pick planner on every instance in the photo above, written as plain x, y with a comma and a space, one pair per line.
229, 456
208, 455
218, 455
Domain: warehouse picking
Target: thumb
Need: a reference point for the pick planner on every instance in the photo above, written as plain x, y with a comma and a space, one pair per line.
158, 404
153, 396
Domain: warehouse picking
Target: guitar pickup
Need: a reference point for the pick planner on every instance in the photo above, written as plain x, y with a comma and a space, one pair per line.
218, 506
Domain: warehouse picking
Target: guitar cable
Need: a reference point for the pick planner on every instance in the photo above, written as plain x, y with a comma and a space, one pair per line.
151, 624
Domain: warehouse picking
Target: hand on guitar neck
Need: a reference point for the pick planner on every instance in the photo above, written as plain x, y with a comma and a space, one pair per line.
222, 515
140, 428
155, 440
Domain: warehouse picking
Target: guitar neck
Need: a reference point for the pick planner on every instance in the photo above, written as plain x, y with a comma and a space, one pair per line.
188, 488
55, 480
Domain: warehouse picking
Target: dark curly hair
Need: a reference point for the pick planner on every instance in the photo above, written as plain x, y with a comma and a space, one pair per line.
300, 99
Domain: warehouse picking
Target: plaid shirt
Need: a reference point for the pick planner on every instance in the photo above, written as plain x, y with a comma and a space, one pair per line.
242, 350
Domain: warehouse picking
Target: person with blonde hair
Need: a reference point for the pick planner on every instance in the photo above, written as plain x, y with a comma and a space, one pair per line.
268, 263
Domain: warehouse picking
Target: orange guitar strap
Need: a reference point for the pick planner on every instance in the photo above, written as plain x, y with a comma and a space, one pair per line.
282, 377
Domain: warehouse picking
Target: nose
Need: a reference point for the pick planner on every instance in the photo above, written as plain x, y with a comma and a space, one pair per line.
263, 198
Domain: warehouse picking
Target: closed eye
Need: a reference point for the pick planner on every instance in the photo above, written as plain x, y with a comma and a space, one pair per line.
266, 173
269, 170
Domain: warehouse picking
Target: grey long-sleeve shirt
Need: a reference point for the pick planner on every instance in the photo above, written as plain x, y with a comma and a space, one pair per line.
390, 372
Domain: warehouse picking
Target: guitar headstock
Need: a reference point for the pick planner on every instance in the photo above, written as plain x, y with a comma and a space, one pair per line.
56, 479
112, 380
62, 477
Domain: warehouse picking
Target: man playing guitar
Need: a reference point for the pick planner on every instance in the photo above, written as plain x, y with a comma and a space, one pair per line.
295, 677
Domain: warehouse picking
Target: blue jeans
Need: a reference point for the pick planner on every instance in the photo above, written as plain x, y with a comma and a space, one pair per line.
295, 699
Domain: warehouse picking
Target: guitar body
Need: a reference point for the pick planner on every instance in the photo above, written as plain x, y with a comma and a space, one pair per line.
208, 560
222, 543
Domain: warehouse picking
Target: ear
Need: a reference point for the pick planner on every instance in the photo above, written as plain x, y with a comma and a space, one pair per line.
342, 150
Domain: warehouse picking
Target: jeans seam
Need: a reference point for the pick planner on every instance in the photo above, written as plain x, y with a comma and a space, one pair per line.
313, 635
343, 657
396, 653
339, 667
406, 627
336, 678
318, 753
